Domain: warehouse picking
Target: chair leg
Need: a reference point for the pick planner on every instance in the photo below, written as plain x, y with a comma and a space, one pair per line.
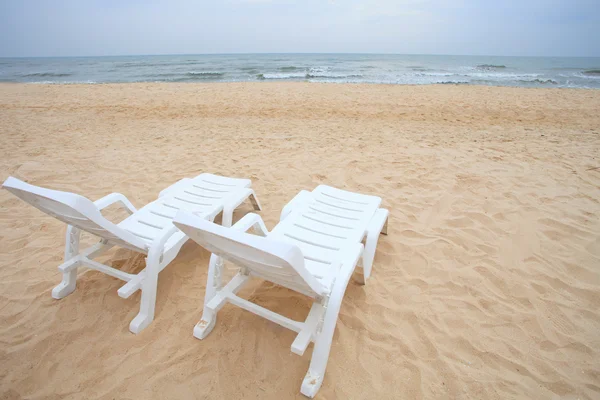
213, 284
255, 202
227, 218
69, 278
318, 363
377, 226
149, 289
229, 208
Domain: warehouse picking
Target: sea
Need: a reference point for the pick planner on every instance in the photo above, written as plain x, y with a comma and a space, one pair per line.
567, 72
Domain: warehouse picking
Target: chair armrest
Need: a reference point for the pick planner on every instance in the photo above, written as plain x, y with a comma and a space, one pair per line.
302, 197
115, 198
251, 221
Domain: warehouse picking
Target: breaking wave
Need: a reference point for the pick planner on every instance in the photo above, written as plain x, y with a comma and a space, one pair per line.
540, 81
205, 74
490, 67
374, 69
308, 75
65, 83
288, 69
138, 64
185, 77
281, 76
453, 83
332, 76
47, 75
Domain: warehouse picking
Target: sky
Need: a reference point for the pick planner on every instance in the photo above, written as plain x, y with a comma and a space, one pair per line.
462, 27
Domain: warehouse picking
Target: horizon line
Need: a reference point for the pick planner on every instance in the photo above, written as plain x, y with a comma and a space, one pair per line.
301, 53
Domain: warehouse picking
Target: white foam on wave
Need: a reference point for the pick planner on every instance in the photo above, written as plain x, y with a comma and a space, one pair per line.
435, 74
332, 76
62, 83
339, 69
282, 75
206, 73
586, 76
502, 75
318, 70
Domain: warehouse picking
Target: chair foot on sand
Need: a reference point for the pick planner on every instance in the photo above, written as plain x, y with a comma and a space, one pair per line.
311, 384
64, 289
204, 327
139, 323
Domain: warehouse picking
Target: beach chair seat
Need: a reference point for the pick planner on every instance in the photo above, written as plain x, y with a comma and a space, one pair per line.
148, 230
332, 212
313, 250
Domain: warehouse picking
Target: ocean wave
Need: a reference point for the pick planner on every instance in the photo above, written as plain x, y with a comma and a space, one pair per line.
539, 81
453, 83
194, 77
515, 82
325, 68
565, 69
186, 63
309, 75
543, 81
501, 76
318, 70
289, 68
46, 75
205, 74
138, 64
191, 76
281, 76
64, 83
490, 67
332, 76
419, 68
183, 79
432, 74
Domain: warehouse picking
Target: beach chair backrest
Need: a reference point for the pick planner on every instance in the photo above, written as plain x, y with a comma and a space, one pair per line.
74, 210
278, 262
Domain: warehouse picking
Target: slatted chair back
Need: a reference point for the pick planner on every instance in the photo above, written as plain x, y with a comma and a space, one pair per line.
74, 210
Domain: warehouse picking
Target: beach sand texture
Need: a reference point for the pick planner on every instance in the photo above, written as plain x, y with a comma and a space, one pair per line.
487, 287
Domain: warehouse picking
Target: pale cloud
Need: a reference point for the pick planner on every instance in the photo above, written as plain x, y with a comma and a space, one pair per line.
108, 27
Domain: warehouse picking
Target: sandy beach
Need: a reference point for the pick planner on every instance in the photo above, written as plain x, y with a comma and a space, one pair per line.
487, 286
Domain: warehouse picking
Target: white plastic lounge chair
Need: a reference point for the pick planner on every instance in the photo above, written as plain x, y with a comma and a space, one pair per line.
313, 250
148, 230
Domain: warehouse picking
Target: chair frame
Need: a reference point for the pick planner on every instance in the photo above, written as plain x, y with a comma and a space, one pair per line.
157, 258
319, 325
